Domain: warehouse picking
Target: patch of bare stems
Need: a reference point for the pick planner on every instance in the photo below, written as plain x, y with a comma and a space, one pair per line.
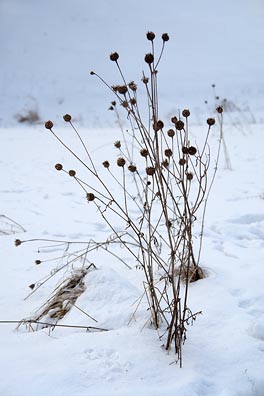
169, 191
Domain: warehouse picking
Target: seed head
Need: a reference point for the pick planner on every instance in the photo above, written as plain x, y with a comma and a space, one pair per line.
92, 73
114, 56
145, 80
219, 109
186, 113
165, 163
132, 86
18, 242
148, 183
37, 262
132, 168
171, 133
106, 164
72, 173
185, 150
124, 104
59, 167
90, 197
121, 161
192, 150
113, 103
158, 125
210, 121
189, 176
174, 120
111, 108
149, 58
122, 89
117, 144
133, 101
32, 286
150, 36
144, 152
182, 161
150, 171
67, 118
165, 37
168, 152
179, 125
49, 124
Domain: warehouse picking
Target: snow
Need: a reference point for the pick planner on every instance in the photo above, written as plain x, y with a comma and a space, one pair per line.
48, 49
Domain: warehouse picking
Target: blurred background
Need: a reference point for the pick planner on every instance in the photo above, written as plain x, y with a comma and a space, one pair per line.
49, 47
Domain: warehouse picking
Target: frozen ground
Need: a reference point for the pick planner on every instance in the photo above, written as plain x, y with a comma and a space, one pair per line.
224, 353
48, 49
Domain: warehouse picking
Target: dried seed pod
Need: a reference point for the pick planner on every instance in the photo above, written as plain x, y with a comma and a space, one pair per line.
185, 150
106, 164
133, 101
117, 144
67, 118
32, 286
132, 86
150, 36
115, 87
182, 161
132, 168
72, 173
189, 176
171, 133
149, 58
150, 170
113, 103
18, 242
165, 37
49, 124
114, 56
145, 80
168, 152
122, 89
37, 262
92, 73
210, 121
165, 163
111, 108
148, 183
174, 120
124, 104
158, 194
219, 109
144, 152
59, 167
157, 126
179, 125
186, 113
121, 161
90, 197
192, 150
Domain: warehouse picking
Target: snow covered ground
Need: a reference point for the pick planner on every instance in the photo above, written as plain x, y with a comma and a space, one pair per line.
49, 48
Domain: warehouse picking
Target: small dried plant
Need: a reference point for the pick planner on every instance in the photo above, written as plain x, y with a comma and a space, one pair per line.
158, 206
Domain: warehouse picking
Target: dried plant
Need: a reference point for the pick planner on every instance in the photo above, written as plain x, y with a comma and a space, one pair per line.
9, 226
162, 184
